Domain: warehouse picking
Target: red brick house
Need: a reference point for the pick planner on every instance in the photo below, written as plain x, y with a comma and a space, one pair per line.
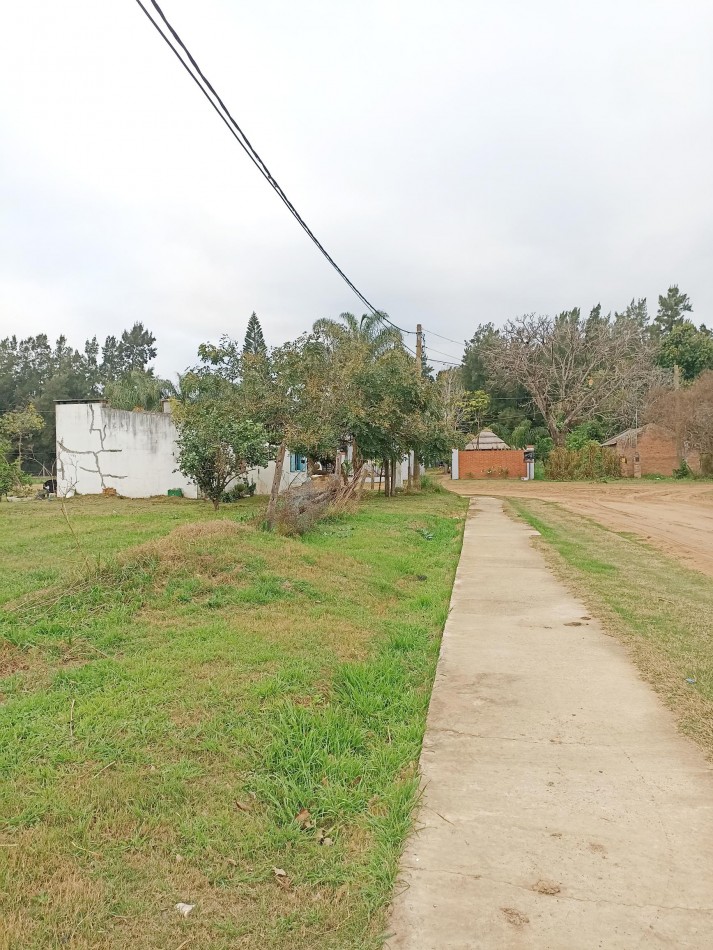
650, 450
487, 456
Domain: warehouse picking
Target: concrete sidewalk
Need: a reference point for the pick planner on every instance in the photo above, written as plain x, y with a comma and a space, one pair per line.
562, 809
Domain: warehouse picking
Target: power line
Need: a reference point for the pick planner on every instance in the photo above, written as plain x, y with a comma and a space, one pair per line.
440, 352
447, 338
205, 87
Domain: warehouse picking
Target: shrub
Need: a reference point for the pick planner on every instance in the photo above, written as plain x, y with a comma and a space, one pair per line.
591, 461
238, 491
431, 485
683, 470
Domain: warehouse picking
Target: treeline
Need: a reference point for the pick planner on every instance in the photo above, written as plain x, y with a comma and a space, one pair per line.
34, 372
573, 378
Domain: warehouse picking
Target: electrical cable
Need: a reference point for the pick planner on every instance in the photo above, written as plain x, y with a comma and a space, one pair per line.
247, 147
447, 338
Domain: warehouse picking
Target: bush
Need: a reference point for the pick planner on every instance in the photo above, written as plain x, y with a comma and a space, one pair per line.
431, 485
592, 461
238, 491
683, 470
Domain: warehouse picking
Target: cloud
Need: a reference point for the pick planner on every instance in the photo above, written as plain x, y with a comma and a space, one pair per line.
461, 161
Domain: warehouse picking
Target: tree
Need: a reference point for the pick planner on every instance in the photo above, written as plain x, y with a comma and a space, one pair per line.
138, 389
574, 368
216, 444
688, 412
17, 428
473, 406
637, 311
687, 347
254, 339
672, 308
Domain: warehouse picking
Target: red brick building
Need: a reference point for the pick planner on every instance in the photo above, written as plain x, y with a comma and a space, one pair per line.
650, 450
487, 456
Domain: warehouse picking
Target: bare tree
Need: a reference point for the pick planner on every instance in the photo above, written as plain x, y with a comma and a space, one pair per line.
575, 368
688, 412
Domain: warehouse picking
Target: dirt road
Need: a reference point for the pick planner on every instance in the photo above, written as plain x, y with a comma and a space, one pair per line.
561, 808
676, 517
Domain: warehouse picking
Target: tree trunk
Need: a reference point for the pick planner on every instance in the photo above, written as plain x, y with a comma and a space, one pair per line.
409, 481
275, 490
387, 478
393, 476
416, 471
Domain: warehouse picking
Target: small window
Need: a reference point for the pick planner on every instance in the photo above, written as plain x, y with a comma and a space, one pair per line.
298, 463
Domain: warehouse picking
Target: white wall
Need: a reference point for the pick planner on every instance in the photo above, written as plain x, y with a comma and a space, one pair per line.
133, 452
263, 477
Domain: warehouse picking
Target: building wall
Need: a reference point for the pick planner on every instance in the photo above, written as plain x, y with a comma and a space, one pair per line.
133, 452
488, 463
657, 454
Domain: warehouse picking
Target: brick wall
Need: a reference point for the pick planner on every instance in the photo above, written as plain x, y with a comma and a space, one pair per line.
476, 463
657, 454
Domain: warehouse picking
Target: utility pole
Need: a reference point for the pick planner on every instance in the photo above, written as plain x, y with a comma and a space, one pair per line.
416, 474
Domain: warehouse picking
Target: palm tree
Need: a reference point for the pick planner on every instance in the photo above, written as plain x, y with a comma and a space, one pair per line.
371, 329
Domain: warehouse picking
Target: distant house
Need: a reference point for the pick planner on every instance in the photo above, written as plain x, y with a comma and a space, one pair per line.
134, 453
487, 456
650, 450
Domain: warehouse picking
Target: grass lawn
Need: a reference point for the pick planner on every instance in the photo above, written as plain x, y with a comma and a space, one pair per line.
194, 711
662, 610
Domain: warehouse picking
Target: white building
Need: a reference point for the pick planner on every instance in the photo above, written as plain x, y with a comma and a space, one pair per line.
133, 452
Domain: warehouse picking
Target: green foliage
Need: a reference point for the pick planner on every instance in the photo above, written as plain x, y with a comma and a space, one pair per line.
11, 475
238, 491
138, 389
683, 471
17, 429
33, 370
215, 442
254, 339
431, 485
672, 307
687, 347
473, 407
592, 431
591, 461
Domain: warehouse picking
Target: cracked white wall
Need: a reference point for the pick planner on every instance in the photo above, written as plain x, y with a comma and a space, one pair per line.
133, 452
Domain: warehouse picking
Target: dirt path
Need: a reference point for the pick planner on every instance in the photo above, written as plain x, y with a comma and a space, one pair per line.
562, 809
675, 517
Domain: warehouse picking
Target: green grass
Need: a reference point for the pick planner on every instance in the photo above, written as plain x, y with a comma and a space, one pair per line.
662, 610
177, 688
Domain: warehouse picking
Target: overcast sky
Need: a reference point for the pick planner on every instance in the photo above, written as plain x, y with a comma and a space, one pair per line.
462, 160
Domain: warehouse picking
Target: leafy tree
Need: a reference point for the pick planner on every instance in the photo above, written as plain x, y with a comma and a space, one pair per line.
254, 339
216, 444
371, 331
139, 389
474, 405
17, 428
687, 347
672, 308
637, 311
